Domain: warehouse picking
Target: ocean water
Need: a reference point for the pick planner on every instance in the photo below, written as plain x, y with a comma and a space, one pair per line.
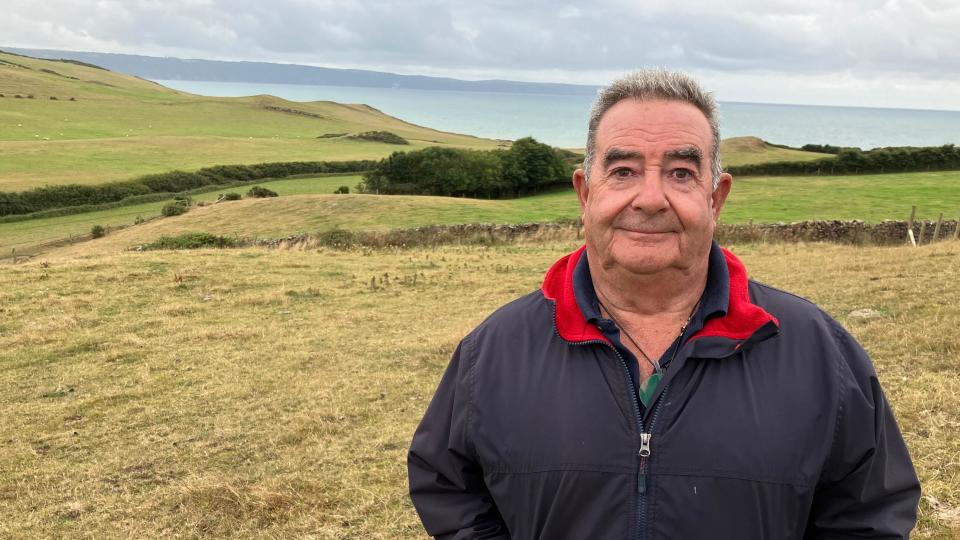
562, 120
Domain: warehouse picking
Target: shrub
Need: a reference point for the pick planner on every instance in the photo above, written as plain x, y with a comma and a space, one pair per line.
138, 220
342, 189
380, 136
232, 196
260, 192
194, 240
174, 209
527, 167
97, 231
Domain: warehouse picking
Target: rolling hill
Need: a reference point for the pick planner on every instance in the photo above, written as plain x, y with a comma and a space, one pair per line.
65, 122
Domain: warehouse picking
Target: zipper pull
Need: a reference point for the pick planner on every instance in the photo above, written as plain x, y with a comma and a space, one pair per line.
644, 454
645, 444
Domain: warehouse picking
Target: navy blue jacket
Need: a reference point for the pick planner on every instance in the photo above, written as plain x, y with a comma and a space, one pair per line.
770, 423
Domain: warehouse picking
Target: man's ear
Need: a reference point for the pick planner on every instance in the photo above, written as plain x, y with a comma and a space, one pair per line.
719, 195
582, 188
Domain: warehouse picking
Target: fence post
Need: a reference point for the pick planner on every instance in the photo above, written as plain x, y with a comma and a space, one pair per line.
923, 231
936, 230
956, 229
913, 214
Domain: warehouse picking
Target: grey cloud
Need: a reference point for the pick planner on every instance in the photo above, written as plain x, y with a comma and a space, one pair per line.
865, 37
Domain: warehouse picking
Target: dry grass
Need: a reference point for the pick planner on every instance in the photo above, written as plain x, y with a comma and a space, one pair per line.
272, 393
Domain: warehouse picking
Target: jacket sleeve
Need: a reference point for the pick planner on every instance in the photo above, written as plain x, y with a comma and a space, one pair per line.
868, 488
446, 481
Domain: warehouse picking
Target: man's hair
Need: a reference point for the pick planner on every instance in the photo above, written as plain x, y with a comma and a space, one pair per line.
654, 84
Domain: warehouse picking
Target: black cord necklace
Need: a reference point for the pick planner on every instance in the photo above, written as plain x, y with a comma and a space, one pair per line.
656, 365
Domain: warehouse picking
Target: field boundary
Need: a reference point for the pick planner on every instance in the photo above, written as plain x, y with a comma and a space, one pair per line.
886, 233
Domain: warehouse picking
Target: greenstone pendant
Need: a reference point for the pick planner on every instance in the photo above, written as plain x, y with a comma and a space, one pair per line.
648, 387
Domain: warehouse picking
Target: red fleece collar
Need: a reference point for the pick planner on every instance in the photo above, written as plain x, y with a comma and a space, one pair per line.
743, 318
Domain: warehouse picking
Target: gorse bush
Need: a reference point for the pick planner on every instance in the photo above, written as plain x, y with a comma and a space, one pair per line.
97, 231
174, 209
232, 196
193, 240
260, 192
527, 167
75, 195
380, 136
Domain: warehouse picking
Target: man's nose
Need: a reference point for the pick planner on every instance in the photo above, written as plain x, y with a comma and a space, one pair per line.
650, 196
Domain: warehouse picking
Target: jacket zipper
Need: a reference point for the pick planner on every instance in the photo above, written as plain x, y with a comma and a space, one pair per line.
645, 450
640, 530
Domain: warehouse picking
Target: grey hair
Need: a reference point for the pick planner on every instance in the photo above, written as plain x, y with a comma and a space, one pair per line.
654, 84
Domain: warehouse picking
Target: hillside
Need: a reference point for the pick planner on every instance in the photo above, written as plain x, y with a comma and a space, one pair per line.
746, 150
88, 125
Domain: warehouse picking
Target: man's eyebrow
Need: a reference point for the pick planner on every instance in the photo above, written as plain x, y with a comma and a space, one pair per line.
687, 153
617, 154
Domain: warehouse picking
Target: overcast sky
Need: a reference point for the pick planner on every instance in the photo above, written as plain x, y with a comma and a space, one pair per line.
887, 53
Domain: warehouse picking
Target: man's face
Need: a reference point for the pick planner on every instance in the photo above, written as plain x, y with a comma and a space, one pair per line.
649, 205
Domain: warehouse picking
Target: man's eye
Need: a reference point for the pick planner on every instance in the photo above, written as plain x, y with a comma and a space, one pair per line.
682, 174
622, 173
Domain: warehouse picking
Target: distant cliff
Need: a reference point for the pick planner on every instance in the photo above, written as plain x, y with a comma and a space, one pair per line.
151, 67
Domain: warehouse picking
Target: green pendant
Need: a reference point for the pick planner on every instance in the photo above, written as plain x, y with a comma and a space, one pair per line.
648, 387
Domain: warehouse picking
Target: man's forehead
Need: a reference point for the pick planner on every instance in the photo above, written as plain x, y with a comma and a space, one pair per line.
655, 119
663, 130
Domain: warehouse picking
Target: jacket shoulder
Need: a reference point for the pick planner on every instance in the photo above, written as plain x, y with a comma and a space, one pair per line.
529, 313
809, 324
790, 309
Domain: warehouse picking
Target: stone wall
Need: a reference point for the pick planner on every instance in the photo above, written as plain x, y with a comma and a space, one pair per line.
841, 232
887, 232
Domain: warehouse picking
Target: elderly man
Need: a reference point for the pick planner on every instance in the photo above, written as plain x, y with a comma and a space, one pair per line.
649, 389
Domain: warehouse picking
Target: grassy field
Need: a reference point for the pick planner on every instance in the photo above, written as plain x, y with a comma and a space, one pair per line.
872, 198
25, 236
272, 393
122, 126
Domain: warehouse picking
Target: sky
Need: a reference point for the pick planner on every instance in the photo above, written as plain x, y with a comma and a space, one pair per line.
881, 53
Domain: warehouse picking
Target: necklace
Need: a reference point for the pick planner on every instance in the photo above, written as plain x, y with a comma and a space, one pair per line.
656, 365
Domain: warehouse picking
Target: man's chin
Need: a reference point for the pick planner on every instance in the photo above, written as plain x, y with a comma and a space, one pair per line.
636, 262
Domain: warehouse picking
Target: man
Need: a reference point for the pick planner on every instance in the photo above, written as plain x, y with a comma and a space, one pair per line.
649, 389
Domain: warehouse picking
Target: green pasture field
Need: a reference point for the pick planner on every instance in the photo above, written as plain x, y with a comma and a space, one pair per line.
259, 393
122, 126
26, 236
306, 205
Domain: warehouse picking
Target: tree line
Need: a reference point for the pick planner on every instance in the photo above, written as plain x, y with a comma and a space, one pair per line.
163, 185
857, 161
527, 167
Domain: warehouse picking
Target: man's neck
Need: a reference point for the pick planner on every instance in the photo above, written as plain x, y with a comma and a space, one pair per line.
667, 295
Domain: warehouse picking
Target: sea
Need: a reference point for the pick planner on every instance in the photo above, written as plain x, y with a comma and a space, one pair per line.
561, 120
